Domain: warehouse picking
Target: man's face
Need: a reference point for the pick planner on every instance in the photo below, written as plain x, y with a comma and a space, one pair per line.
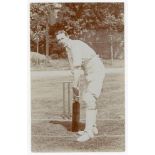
62, 39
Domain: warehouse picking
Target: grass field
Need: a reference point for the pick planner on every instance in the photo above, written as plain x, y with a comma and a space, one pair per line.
50, 133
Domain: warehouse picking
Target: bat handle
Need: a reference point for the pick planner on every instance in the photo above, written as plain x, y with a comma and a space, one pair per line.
76, 98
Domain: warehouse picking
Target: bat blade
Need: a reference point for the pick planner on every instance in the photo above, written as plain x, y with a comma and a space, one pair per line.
75, 116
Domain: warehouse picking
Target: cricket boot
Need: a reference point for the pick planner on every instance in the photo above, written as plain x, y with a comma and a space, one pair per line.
95, 131
90, 121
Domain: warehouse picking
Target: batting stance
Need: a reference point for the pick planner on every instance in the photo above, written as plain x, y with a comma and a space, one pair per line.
81, 56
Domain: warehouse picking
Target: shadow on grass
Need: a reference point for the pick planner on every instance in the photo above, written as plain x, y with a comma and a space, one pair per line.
68, 124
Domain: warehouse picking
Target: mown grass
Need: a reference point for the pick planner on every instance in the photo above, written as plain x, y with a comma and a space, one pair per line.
50, 135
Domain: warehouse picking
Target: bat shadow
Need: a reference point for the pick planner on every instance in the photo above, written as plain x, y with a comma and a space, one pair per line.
68, 124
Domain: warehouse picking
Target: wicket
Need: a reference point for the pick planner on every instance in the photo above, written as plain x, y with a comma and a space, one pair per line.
66, 113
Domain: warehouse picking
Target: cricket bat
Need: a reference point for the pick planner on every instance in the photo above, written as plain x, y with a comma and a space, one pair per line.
75, 111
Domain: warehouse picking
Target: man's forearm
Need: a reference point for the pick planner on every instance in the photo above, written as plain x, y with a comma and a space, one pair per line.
76, 77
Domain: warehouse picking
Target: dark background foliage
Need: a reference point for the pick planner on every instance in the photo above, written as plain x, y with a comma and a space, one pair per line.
101, 25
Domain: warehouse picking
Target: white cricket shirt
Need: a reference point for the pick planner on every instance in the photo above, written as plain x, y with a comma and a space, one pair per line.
79, 52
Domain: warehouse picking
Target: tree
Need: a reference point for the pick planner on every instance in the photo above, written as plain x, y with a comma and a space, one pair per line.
40, 18
76, 18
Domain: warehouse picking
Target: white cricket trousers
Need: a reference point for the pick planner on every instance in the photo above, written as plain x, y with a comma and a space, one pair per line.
95, 73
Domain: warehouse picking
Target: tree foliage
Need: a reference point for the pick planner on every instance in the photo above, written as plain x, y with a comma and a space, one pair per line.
76, 18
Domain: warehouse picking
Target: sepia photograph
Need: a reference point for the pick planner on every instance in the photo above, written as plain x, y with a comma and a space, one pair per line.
77, 78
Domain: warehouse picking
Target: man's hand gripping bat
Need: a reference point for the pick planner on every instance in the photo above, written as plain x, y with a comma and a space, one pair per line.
76, 94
